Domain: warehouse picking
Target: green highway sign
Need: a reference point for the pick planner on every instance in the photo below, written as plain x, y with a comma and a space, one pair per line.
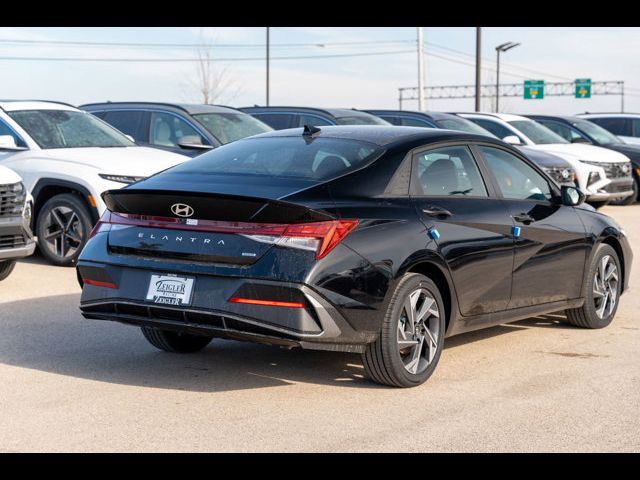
583, 88
533, 89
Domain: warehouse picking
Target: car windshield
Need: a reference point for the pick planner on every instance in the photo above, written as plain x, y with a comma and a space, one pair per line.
229, 127
293, 157
68, 129
361, 120
463, 125
596, 132
539, 134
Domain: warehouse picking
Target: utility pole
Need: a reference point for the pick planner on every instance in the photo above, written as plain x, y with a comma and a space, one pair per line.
621, 97
420, 71
478, 60
267, 66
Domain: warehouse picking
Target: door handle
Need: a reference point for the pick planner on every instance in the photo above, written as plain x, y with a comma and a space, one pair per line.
524, 218
434, 211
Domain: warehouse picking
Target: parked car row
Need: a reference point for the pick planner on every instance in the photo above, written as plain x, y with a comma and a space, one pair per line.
67, 157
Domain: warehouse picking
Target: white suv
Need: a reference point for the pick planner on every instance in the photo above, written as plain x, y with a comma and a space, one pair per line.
16, 239
67, 158
602, 174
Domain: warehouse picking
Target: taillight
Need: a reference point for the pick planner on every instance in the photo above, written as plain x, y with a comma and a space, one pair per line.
319, 237
105, 221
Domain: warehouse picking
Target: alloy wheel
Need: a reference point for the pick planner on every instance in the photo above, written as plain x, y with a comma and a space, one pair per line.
605, 287
418, 331
63, 232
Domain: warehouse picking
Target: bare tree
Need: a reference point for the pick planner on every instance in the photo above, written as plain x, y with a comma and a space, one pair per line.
212, 82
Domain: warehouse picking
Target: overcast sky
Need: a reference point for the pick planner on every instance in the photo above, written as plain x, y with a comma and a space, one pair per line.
371, 81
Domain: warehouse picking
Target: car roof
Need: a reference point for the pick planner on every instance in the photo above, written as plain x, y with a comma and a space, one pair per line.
564, 118
430, 115
15, 105
381, 135
507, 117
190, 108
608, 115
258, 108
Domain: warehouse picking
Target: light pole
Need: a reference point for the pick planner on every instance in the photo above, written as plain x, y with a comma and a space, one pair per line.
501, 48
420, 70
267, 66
478, 60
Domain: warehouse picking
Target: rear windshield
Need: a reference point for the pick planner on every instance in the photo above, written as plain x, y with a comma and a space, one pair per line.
318, 159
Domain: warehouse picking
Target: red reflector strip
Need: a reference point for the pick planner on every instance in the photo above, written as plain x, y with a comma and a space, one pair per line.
270, 303
97, 283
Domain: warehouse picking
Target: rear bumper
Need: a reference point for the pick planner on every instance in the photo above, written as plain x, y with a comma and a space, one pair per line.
319, 325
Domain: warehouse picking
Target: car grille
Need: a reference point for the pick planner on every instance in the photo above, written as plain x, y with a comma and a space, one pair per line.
614, 170
613, 188
12, 241
12, 199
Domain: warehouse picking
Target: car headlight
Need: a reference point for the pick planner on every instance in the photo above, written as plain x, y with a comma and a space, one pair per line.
120, 178
626, 168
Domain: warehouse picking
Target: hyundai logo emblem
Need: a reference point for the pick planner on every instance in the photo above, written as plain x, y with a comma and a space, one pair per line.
182, 210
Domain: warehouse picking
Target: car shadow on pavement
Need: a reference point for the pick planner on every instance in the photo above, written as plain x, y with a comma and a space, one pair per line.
49, 334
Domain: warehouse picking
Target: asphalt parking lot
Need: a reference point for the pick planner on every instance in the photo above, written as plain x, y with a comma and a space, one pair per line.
70, 384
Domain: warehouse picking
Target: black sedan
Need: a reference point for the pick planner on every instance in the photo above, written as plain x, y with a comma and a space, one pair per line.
369, 239
580, 130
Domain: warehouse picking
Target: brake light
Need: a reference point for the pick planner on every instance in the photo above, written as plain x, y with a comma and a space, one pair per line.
269, 303
97, 283
319, 237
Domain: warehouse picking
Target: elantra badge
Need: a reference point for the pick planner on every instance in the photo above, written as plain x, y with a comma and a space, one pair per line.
181, 210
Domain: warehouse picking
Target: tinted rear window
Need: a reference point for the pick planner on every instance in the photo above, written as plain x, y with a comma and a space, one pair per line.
320, 159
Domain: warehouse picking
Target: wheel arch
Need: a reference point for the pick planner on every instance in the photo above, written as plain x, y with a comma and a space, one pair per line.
614, 243
435, 268
47, 188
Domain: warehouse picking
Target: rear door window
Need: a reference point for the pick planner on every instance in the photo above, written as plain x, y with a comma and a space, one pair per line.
277, 121
448, 171
616, 125
128, 122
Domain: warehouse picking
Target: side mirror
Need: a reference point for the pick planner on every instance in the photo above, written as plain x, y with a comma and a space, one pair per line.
7, 142
193, 141
571, 196
579, 140
512, 140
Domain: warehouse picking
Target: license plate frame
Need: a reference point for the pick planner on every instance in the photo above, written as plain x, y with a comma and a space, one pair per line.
170, 289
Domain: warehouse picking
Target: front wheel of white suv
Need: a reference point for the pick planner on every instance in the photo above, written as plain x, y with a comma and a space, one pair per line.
63, 226
6, 268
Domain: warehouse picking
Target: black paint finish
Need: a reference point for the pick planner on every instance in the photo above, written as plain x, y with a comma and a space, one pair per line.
487, 274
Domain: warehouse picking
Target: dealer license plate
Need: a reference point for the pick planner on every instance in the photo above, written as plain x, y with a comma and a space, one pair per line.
170, 289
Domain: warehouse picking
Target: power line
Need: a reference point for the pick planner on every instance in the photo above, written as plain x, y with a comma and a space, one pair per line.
221, 59
79, 43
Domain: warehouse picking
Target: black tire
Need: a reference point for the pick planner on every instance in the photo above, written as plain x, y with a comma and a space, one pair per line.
598, 205
6, 268
56, 214
383, 359
175, 342
587, 315
631, 199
